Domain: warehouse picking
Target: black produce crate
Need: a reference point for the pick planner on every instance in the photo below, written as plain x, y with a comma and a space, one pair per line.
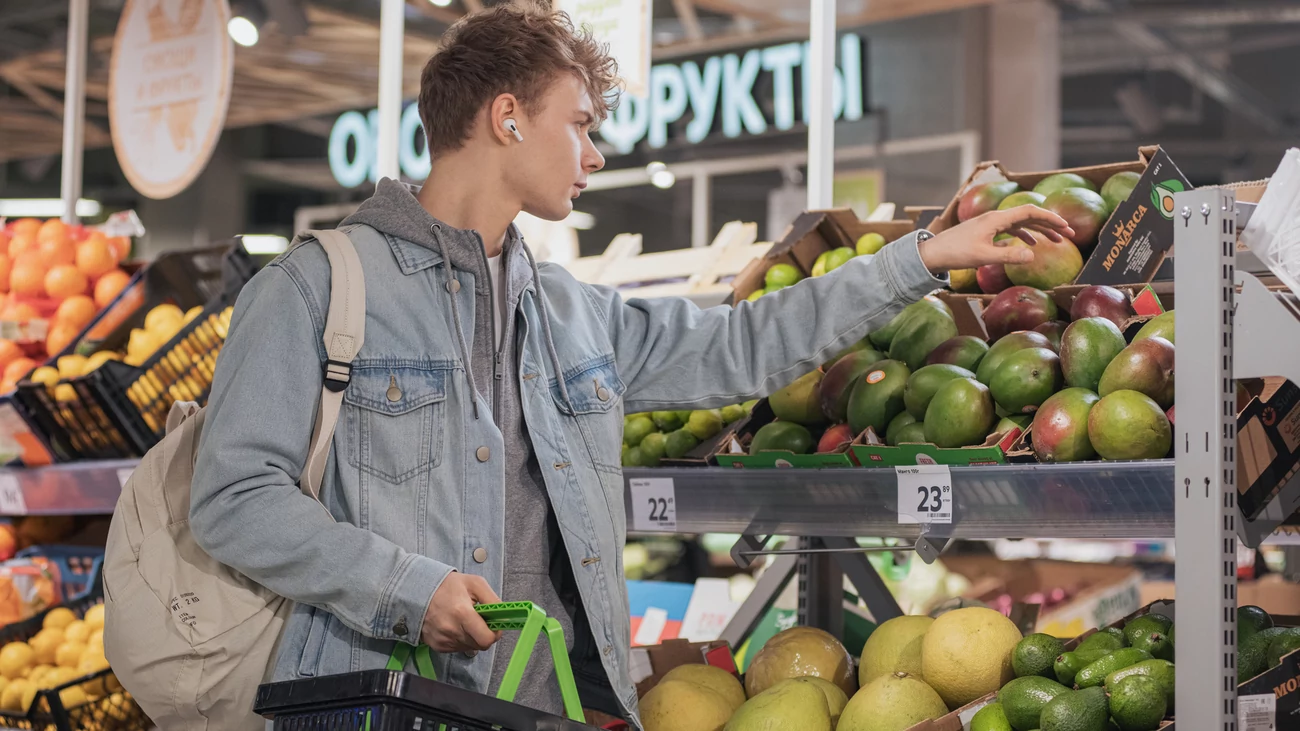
112, 708
384, 700
97, 419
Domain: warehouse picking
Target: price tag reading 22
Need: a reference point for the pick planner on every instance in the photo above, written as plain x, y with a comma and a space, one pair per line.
654, 504
924, 494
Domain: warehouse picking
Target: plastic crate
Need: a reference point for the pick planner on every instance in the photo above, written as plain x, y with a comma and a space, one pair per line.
111, 709
96, 419
79, 568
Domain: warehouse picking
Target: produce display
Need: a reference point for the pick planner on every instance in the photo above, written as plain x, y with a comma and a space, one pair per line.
65, 650
649, 438
782, 275
1071, 196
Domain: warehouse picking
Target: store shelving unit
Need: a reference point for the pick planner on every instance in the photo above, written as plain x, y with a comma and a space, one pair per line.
75, 488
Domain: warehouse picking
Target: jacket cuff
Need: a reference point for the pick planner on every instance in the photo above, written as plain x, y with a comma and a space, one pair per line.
406, 598
906, 274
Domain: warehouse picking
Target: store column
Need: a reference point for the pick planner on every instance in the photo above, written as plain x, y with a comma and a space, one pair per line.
1024, 85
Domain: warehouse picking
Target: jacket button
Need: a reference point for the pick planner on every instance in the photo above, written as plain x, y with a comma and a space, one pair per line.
394, 393
480, 555
471, 654
453, 286
602, 393
400, 629
483, 454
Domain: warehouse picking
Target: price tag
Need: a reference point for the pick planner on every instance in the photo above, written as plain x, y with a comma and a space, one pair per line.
1257, 712
654, 504
924, 494
11, 496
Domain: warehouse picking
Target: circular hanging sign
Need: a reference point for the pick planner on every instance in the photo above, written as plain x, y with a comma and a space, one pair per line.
168, 90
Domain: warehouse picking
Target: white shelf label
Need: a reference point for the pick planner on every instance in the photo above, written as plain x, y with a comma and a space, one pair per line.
11, 496
1257, 712
654, 504
924, 494
652, 627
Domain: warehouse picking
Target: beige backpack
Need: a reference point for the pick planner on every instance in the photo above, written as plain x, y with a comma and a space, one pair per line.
189, 637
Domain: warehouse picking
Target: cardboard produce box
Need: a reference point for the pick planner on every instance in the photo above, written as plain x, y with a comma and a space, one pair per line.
811, 234
649, 665
1139, 233
1147, 300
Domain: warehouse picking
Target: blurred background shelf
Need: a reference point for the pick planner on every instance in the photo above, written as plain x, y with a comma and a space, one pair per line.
76, 488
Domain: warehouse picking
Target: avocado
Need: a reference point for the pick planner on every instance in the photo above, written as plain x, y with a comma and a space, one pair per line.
990, 718
1096, 671
1035, 654
1250, 620
1068, 664
1146, 624
1137, 703
782, 435
1023, 699
1161, 670
1077, 710
1102, 640
878, 396
1155, 643
1252, 656
1117, 632
924, 382
1282, 646
884, 337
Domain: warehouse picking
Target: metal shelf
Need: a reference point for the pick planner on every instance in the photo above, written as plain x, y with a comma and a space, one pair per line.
1131, 500
78, 488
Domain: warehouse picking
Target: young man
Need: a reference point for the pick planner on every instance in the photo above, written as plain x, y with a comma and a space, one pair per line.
478, 452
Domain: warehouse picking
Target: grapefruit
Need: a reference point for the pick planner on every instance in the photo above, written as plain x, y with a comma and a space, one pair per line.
798, 652
967, 654
895, 646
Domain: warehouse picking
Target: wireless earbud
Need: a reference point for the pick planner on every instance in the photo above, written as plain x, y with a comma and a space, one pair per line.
514, 129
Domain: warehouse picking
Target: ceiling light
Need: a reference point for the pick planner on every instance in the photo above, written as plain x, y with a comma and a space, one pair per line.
242, 31
441, 3
264, 243
660, 175
45, 208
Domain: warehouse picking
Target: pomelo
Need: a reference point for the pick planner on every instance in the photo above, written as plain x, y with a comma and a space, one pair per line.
894, 646
967, 654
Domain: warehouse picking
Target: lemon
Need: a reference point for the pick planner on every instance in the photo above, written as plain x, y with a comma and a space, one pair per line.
28, 697
12, 697
15, 658
59, 617
69, 654
193, 312
47, 375
44, 645
78, 631
73, 697
162, 317
98, 359
40, 676
96, 640
71, 366
65, 392
142, 343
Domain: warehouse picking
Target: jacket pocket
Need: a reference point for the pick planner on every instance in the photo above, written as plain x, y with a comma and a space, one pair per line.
396, 416
317, 631
595, 399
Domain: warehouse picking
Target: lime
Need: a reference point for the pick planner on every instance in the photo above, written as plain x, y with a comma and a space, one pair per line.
679, 443
870, 243
755, 295
836, 258
781, 275
733, 413
705, 424
654, 446
667, 421
636, 429
819, 265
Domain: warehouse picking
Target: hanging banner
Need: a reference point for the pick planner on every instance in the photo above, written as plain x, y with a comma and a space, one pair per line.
625, 26
168, 90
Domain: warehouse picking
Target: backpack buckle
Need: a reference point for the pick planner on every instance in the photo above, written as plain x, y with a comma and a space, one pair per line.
337, 375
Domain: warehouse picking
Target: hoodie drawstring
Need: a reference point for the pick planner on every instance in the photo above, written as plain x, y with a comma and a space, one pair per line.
546, 329
455, 316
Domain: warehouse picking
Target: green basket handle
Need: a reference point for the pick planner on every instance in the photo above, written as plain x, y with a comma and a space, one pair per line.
530, 620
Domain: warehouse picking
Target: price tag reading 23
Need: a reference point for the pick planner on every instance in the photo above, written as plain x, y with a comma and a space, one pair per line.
924, 494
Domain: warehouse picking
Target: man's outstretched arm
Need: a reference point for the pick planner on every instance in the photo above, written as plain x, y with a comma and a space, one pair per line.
674, 355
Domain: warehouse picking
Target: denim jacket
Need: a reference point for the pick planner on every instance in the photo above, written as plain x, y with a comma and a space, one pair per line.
409, 500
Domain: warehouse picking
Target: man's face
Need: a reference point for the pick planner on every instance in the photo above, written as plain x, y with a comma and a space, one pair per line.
550, 167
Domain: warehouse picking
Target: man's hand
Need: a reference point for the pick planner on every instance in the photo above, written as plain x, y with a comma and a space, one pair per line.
971, 244
450, 622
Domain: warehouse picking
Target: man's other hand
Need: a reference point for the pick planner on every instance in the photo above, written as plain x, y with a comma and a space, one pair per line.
450, 623
971, 244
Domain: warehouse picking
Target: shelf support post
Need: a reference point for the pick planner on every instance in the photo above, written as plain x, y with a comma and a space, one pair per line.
1205, 507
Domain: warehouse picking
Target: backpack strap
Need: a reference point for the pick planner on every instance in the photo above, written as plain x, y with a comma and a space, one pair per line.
345, 331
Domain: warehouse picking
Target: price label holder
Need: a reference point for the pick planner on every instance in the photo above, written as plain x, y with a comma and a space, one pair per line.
11, 496
924, 494
1257, 712
654, 504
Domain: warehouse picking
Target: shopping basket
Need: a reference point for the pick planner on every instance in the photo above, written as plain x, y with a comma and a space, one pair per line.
93, 701
389, 699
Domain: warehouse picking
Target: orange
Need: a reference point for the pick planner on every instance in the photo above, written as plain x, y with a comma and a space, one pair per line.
19, 312
5, 265
52, 230
27, 277
65, 280
76, 310
109, 286
20, 243
61, 335
121, 247
9, 351
95, 256
57, 251
26, 227
18, 368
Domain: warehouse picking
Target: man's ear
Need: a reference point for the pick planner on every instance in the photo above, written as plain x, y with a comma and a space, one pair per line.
503, 107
